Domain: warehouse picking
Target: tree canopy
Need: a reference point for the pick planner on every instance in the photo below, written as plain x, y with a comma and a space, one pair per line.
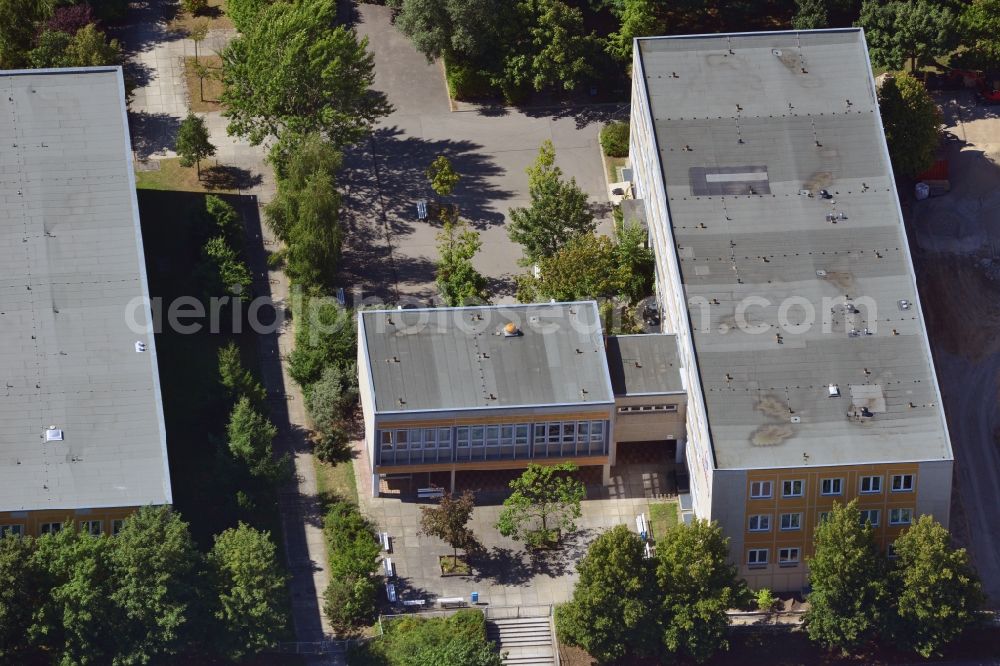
558, 211
810, 15
545, 502
458, 640
936, 593
193, 144
295, 68
636, 18
613, 611
442, 176
912, 122
697, 586
457, 279
467, 27
980, 26
449, 520
847, 574
901, 30
250, 435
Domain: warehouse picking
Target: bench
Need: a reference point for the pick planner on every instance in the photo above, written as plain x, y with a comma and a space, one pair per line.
414, 602
390, 570
430, 493
641, 526
390, 592
422, 209
386, 541
451, 602
648, 551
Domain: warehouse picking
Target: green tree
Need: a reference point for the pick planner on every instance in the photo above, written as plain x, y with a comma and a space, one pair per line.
936, 592
353, 551
636, 261
810, 14
901, 30
558, 212
442, 175
250, 436
244, 13
613, 610
333, 445
75, 620
980, 26
89, 48
325, 334
233, 273
18, 26
296, 69
549, 48
350, 601
330, 399
848, 578
249, 591
19, 595
457, 279
296, 156
912, 123
226, 220
585, 268
468, 28
194, 7
449, 520
238, 380
193, 143
197, 34
636, 18
545, 502
458, 640
154, 566
698, 585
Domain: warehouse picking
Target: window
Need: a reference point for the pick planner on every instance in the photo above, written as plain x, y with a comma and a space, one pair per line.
444, 438
902, 483
871, 485
462, 437
597, 431
402, 439
492, 435
476, 434
791, 521
757, 557
521, 434
788, 557
116, 526
93, 527
51, 528
832, 487
823, 515
792, 488
870, 516
760, 489
646, 409
16, 530
386, 436
900, 516
760, 523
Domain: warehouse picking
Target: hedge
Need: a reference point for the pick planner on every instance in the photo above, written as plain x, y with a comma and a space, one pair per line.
614, 139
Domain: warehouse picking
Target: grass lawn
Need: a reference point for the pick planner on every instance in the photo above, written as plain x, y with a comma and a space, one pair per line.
662, 516
609, 164
333, 481
449, 565
204, 95
215, 16
215, 179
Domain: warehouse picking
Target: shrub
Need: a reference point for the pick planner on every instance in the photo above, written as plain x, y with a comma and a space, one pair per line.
333, 446
194, 7
466, 82
331, 398
349, 599
614, 139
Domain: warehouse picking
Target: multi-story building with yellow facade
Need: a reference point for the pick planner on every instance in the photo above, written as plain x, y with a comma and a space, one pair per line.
82, 437
784, 271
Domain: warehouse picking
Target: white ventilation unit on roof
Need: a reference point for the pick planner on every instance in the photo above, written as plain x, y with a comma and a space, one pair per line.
834, 390
140, 346
53, 434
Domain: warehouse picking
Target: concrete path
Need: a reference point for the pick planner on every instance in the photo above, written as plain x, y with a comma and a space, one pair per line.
390, 253
158, 105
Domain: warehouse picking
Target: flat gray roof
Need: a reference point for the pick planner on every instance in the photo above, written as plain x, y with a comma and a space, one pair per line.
71, 264
644, 364
750, 128
459, 358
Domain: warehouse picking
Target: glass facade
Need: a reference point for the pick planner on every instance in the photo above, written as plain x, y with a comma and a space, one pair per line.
508, 441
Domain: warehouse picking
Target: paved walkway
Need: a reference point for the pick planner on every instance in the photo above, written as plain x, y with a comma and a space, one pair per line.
158, 105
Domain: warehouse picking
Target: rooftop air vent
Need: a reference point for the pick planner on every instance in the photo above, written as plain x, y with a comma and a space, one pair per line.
776, 52
511, 330
904, 304
834, 391
140, 346
53, 434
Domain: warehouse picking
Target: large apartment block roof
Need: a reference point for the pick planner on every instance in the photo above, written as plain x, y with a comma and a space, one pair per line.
486, 357
807, 330
71, 264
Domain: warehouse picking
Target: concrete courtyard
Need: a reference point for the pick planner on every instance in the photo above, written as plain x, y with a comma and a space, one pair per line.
391, 254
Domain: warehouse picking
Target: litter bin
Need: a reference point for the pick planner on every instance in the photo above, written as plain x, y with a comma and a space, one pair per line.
475, 597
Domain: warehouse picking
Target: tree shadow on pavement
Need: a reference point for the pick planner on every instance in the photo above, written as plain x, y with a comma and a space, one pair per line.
226, 177
152, 133
584, 115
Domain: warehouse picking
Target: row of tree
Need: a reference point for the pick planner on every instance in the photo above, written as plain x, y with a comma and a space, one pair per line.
57, 33
145, 594
350, 598
676, 603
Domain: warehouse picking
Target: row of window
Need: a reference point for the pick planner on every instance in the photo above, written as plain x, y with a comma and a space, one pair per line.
787, 557
867, 485
629, 409
95, 527
492, 442
761, 522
